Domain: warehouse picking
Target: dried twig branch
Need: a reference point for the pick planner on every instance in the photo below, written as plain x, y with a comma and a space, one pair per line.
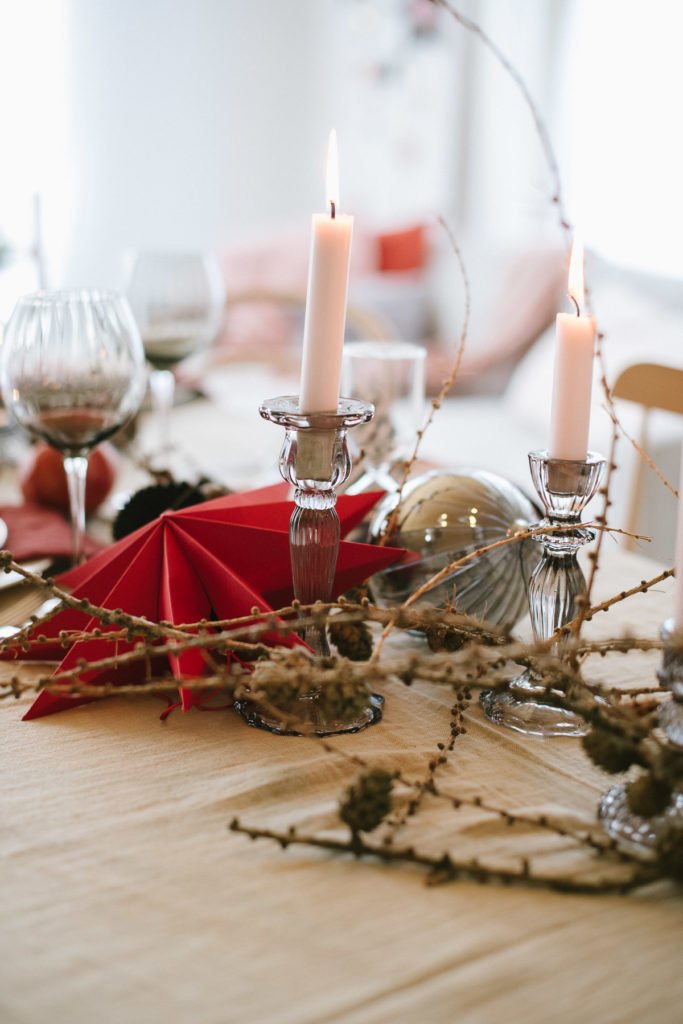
603, 606
640, 451
446, 387
446, 867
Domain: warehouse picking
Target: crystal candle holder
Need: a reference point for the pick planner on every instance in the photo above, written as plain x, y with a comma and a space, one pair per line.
633, 833
565, 487
315, 459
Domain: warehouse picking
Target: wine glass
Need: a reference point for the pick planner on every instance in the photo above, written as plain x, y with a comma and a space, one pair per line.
390, 375
177, 299
72, 370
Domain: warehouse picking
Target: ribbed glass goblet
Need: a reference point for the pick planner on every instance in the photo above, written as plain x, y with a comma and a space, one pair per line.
73, 373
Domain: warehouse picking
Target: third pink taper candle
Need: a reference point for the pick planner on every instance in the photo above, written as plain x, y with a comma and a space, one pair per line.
573, 374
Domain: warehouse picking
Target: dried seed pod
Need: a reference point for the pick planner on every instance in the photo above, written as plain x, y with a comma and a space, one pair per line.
368, 801
609, 751
353, 640
648, 796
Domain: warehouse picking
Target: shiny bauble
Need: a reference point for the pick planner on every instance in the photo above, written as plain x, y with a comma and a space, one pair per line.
446, 515
43, 481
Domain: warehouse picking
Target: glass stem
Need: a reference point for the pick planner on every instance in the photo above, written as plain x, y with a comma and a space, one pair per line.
162, 387
76, 468
314, 546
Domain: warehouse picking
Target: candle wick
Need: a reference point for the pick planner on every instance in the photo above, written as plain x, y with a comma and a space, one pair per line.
578, 311
333, 209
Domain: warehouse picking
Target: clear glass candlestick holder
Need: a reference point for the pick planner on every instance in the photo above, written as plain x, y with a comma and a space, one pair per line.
565, 488
635, 833
315, 459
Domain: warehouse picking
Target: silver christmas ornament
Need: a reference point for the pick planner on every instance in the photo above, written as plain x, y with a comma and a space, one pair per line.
444, 515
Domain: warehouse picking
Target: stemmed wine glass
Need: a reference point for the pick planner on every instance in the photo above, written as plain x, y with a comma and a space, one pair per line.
177, 299
72, 369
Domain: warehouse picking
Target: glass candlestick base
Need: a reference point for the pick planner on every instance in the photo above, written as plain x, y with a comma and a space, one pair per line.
308, 715
631, 832
565, 488
315, 459
635, 833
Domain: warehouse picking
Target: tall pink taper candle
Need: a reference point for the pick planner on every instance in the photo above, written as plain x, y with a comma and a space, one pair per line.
678, 592
328, 280
573, 377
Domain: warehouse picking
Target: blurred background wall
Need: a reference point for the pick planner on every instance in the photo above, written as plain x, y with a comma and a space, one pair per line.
195, 122
203, 124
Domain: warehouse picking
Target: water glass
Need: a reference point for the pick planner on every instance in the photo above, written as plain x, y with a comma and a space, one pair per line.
390, 375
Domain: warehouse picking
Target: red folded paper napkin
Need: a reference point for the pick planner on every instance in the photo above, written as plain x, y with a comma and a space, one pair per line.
37, 532
220, 559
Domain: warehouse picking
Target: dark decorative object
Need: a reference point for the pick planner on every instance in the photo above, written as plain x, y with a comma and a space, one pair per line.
149, 502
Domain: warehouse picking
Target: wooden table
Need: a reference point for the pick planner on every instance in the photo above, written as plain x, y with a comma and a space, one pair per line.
126, 898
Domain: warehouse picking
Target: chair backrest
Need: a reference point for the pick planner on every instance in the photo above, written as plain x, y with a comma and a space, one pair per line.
652, 386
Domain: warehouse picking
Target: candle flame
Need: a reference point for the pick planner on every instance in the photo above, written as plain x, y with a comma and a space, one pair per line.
575, 288
332, 174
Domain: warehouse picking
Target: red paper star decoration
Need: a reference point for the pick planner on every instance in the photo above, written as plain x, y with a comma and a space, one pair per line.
217, 560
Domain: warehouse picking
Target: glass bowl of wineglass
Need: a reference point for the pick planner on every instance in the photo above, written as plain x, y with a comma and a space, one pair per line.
177, 299
72, 371
390, 375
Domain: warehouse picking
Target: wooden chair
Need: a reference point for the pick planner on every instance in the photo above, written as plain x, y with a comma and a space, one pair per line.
652, 387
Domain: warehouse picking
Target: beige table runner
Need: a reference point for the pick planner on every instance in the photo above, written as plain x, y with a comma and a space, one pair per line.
126, 899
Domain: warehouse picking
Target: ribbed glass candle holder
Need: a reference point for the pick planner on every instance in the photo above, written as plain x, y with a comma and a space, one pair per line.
315, 459
565, 488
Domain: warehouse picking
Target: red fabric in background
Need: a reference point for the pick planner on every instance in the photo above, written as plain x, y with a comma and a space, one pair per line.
403, 250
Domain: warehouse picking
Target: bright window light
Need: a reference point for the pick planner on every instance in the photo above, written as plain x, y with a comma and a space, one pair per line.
624, 150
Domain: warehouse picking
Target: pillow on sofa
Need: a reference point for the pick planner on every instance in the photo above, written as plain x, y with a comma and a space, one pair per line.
515, 291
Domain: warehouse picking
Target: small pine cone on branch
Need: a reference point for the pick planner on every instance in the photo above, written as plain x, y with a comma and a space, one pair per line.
670, 849
368, 801
648, 796
444, 638
353, 640
609, 751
